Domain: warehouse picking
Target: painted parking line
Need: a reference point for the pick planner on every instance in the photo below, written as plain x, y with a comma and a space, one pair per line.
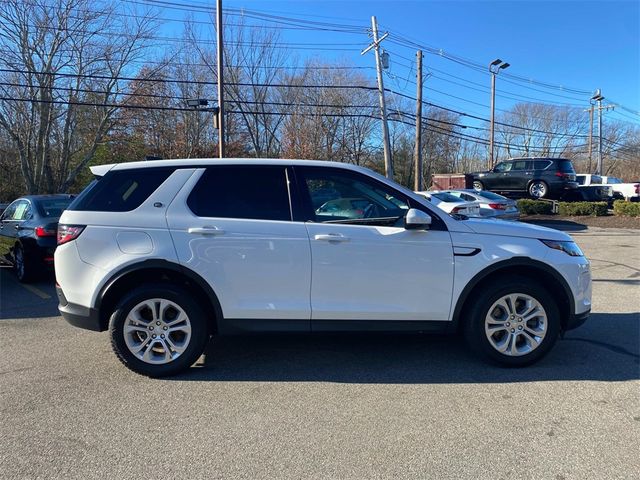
36, 291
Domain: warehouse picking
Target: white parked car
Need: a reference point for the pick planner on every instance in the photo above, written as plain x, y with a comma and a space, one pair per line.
165, 254
452, 204
491, 204
630, 191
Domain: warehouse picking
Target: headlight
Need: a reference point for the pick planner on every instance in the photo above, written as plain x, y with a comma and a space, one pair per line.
570, 248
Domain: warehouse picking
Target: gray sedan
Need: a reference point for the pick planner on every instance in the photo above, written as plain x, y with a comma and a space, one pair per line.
492, 205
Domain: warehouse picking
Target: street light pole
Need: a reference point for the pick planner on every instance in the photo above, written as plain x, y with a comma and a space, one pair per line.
494, 68
221, 129
598, 97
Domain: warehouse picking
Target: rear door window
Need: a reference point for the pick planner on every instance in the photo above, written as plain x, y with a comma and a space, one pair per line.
121, 190
519, 165
258, 192
22, 212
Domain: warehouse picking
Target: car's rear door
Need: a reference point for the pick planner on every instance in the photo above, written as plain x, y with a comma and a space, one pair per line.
232, 224
519, 175
367, 266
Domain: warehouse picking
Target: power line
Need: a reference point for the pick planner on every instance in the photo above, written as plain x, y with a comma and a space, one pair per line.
283, 85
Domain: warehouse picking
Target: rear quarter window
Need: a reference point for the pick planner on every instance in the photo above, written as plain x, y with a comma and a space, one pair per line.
565, 166
541, 164
121, 190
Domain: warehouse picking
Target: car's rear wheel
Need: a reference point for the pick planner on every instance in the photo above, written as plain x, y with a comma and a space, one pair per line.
22, 265
477, 185
514, 323
158, 330
538, 189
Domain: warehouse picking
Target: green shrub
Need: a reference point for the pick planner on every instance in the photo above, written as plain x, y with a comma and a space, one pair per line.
594, 209
534, 207
626, 209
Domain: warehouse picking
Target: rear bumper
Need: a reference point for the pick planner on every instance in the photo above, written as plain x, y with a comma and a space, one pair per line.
78, 315
577, 320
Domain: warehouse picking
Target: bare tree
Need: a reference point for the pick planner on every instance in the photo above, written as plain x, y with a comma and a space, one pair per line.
60, 68
533, 129
328, 119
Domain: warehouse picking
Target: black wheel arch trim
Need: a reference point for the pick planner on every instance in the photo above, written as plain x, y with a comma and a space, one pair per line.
165, 265
509, 263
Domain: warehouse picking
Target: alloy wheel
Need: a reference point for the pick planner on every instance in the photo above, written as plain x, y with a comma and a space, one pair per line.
19, 259
538, 190
157, 331
516, 324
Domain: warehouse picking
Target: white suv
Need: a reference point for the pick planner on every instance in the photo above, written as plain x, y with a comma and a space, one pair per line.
165, 254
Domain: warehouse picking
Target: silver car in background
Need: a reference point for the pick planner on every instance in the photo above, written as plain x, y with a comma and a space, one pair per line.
453, 205
491, 204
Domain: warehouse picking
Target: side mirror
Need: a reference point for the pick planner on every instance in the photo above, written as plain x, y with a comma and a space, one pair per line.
417, 220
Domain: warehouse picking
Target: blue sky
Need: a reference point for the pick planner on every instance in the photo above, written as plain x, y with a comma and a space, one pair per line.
577, 45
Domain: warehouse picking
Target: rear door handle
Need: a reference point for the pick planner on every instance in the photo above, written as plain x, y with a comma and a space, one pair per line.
331, 237
205, 231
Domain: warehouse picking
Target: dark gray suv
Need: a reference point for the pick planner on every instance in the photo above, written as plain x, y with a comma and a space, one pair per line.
537, 177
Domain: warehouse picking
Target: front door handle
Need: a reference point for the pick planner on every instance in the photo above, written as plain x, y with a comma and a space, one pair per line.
331, 237
205, 231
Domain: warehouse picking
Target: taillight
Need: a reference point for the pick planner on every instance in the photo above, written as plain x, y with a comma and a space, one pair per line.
563, 175
66, 233
45, 232
498, 206
456, 209
637, 188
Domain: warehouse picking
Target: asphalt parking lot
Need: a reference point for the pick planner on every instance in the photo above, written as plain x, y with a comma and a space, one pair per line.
328, 406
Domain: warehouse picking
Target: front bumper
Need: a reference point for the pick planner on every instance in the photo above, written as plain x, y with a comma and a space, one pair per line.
576, 320
77, 315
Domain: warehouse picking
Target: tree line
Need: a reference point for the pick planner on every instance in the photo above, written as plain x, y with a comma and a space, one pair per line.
82, 84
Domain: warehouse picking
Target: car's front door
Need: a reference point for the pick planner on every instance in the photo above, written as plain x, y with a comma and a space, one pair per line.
232, 225
365, 264
497, 179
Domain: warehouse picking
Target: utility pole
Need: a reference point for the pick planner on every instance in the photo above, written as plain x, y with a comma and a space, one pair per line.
598, 97
590, 110
494, 68
388, 163
418, 148
220, 48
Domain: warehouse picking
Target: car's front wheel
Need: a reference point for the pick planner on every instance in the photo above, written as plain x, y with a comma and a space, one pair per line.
477, 185
158, 330
515, 322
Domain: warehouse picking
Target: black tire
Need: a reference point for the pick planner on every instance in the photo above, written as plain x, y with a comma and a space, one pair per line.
23, 265
478, 185
538, 189
193, 348
474, 326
